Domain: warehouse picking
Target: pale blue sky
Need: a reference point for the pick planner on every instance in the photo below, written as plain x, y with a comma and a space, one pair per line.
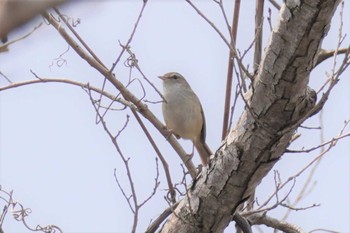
60, 164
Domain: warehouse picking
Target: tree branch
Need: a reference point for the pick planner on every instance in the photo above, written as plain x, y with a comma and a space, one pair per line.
230, 68
280, 97
263, 219
70, 82
325, 54
142, 108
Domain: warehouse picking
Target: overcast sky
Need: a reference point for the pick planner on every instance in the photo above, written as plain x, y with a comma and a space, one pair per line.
60, 163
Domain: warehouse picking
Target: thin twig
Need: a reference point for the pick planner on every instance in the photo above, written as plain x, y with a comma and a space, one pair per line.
269, 18
221, 6
130, 37
133, 203
63, 18
4, 47
156, 223
331, 141
274, 223
275, 4
20, 214
135, 64
230, 69
292, 178
324, 230
325, 54
302, 192
125, 93
70, 82
211, 24
7, 79
160, 156
233, 108
65, 21
155, 187
259, 23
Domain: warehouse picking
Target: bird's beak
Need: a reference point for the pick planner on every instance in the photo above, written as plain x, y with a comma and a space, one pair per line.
161, 77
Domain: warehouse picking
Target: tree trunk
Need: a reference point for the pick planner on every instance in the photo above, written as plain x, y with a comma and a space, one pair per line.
280, 98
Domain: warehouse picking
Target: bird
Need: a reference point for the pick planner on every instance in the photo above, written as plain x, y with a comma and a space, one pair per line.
183, 113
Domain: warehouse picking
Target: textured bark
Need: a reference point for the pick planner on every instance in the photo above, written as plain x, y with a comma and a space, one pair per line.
280, 97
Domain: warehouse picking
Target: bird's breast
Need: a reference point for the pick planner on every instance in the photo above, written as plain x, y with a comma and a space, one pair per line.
182, 114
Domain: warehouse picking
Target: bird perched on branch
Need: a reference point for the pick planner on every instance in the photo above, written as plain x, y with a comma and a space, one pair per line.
183, 113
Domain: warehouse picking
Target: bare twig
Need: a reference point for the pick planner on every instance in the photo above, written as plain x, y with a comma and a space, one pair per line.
310, 127
20, 214
233, 108
259, 16
258, 219
132, 199
303, 192
155, 186
290, 207
156, 223
135, 64
130, 37
65, 20
331, 141
172, 192
279, 201
125, 93
323, 230
280, 186
4, 47
242, 222
71, 82
229, 45
5, 77
60, 61
221, 5
230, 69
325, 54
292, 178
8, 202
275, 4
269, 18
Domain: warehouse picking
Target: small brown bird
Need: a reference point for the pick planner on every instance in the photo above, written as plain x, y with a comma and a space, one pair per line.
183, 113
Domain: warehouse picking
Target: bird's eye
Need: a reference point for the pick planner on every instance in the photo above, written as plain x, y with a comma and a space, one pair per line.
175, 76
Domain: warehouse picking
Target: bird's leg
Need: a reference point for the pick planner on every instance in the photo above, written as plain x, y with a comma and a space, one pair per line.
192, 153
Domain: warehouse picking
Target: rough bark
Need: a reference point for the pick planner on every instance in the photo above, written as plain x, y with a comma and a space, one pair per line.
280, 97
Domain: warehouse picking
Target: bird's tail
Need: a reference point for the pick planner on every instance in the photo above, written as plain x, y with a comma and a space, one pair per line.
204, 152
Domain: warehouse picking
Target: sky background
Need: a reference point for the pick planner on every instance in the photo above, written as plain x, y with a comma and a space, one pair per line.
60, 164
